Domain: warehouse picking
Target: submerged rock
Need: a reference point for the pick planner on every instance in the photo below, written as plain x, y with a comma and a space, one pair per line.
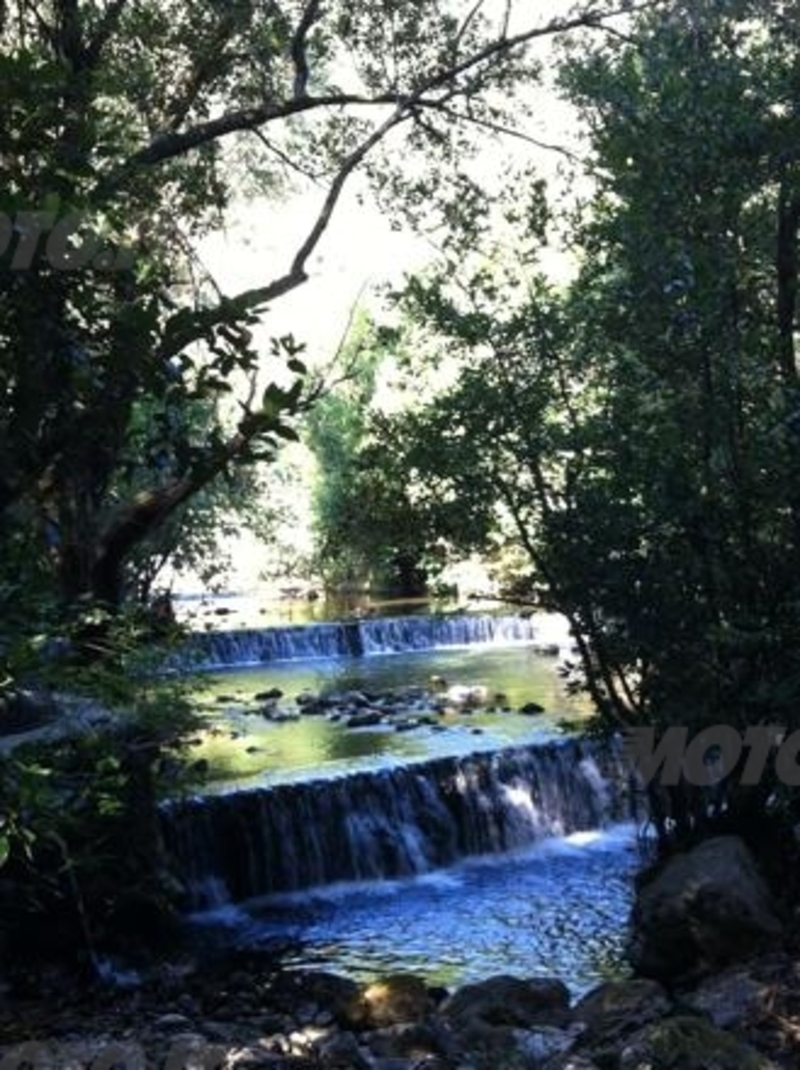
364, 719
530, 709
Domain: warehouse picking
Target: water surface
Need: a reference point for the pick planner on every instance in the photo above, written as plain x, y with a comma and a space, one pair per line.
558, 909
242, 747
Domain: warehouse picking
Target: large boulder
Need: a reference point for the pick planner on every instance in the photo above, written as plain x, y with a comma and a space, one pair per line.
703, 910
685, 1043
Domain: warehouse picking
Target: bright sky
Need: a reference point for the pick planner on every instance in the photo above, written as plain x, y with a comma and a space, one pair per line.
359, 248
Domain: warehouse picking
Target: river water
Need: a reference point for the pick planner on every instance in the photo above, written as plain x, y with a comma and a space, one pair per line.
558, 906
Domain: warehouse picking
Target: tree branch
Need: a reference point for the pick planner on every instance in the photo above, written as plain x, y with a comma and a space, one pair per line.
296, 275
167, 145
104, 32
202, 73
787, 279
298, 47
469, 18
498, 128
285, 159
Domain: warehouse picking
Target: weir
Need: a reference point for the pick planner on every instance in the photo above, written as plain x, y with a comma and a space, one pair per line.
359, 637
392, 823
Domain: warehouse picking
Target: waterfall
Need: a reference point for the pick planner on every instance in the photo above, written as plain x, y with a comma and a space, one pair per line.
392, 823
354, 638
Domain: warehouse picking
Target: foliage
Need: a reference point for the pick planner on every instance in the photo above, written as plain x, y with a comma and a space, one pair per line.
367, 532
83, 865
129, 383
638, 430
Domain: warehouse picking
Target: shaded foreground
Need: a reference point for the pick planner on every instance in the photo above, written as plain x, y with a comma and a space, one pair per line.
244, 1013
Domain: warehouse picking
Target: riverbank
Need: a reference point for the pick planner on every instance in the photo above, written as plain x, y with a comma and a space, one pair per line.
242, 1012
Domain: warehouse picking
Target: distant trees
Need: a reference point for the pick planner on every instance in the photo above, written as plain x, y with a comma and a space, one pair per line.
377, 521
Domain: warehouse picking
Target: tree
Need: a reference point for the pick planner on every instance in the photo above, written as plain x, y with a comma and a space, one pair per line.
368, 529
126, 131
639, 429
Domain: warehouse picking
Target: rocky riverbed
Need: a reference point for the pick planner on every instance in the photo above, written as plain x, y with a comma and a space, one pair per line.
245, 1014
718, 989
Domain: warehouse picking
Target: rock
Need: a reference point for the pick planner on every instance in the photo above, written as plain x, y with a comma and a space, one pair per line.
637, 1001
187, 1004
410, 1041
306, 1013
486, 1047
508, 1001
172, 1021
349, 698
684, 1043
729, 999
392, 1000
272, 693
336, 994
365, 719
403, 1064
616, 1010
224, 1032
530, 709
311, 704
546, 650
340, 1050
570, 1061
536, 1046
702, 911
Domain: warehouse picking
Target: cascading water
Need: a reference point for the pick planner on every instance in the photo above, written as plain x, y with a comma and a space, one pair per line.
392, 823
359, 637
454, 864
